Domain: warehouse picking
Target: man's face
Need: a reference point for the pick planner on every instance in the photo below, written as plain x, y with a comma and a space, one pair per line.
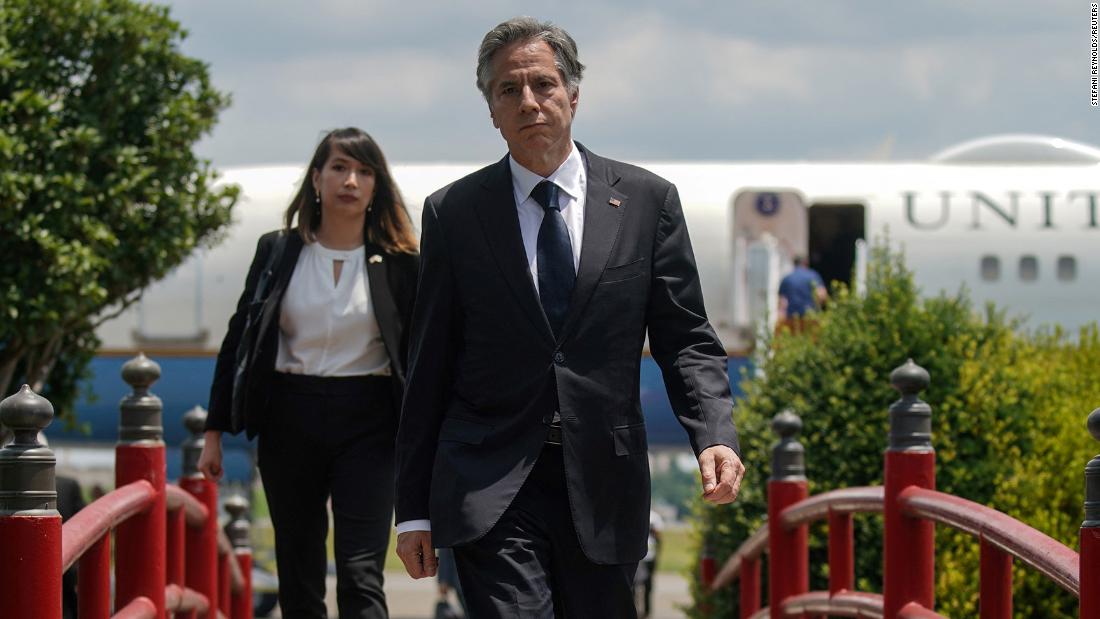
530, 103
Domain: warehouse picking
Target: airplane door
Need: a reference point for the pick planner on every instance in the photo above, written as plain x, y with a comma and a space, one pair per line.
169, 314
770, 228
835, 231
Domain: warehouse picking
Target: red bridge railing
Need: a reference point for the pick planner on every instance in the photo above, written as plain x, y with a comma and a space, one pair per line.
911, 508
170, 557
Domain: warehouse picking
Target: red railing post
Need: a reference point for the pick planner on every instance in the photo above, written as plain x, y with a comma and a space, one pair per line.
750, 587
202, 542
708, 569
30, 526
995, 582
908, 547
241, 603
842, 573
789, 564
93, 581
177, 529
1090, 532
239, 532
140, 563
225, 582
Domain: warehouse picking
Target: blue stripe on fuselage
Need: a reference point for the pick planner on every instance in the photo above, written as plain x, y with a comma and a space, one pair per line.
185, 383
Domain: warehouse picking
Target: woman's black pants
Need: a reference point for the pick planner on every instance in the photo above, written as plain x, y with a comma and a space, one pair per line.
330, 437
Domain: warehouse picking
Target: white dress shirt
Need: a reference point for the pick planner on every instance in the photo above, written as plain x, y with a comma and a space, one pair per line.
573, 181
571, 177
328, 327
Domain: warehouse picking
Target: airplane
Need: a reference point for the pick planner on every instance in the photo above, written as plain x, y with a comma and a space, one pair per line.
1011, 217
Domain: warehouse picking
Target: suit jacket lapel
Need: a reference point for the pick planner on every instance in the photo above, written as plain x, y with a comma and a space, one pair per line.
500, 220
283, 270
602, 221
382, 301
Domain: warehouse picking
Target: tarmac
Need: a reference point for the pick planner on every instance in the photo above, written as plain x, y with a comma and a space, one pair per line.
416, 599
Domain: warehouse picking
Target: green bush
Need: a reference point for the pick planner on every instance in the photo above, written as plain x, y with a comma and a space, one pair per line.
1042, 485
1007, 426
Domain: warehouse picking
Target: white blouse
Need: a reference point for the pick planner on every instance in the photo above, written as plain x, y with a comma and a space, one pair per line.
328, 327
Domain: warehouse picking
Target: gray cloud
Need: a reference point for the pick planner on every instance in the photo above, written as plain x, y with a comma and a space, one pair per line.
694, 80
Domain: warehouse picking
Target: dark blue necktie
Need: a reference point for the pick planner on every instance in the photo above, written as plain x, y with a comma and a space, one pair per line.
555, 257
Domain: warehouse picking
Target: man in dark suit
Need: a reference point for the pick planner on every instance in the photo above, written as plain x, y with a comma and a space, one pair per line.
522, 443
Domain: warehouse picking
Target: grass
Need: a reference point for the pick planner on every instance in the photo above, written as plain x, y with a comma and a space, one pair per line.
677, 550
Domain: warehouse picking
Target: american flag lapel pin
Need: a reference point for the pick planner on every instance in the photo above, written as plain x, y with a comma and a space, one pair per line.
615, 202
375, 259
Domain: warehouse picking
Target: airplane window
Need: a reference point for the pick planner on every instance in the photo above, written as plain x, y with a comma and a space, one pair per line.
1067, 268
1029, 268
991, 268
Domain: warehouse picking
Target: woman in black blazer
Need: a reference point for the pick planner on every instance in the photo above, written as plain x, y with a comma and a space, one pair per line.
326, 376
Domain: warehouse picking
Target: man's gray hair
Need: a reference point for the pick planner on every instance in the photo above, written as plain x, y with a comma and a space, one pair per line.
527, 29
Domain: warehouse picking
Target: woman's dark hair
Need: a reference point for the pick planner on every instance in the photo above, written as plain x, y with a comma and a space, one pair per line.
387, 224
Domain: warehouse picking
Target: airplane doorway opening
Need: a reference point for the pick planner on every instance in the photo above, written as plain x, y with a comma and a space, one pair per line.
834, 230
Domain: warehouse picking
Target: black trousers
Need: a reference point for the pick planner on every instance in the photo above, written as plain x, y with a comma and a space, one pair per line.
330, 437
530, 564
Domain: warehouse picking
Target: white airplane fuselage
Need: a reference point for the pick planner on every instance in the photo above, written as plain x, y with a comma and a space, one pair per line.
947, 218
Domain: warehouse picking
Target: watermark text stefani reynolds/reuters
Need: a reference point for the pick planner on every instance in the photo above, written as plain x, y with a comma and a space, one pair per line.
1094, 72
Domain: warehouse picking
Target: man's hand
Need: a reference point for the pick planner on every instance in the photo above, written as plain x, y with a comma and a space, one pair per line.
210, 460
722, 472
414, 548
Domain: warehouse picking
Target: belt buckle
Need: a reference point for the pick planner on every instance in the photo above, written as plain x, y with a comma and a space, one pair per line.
553, 436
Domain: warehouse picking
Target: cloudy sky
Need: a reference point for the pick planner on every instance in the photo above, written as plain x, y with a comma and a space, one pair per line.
685, 80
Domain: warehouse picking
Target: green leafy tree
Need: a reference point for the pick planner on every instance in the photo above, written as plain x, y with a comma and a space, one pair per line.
1007, 420
100, 192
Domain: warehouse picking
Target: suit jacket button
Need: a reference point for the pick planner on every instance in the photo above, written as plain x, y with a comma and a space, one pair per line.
559, 357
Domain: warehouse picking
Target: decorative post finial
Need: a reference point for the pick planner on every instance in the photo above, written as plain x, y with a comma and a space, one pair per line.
27, 482
238, 529
141, 412
910, 417
1092, 477
140, 373
194, 421
788, 455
